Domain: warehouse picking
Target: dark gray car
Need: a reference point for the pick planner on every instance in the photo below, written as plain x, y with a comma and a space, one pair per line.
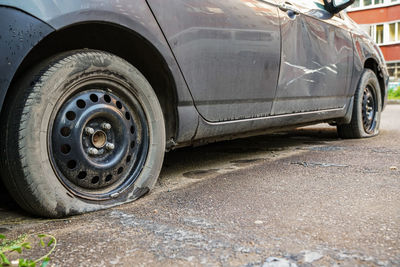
93, 92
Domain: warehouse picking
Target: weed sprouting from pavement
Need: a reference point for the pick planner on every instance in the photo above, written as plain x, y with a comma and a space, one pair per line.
19, 244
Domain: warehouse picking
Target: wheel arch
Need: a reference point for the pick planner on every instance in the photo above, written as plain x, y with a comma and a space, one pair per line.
130, 46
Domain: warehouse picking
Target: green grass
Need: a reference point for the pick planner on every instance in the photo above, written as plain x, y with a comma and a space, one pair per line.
394, 94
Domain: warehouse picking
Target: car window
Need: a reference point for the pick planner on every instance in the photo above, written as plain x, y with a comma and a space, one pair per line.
310, 4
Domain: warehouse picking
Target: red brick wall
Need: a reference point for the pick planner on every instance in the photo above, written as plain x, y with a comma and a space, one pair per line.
376, 15
391, 52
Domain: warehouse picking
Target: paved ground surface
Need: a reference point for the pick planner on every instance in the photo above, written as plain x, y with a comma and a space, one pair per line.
300, 198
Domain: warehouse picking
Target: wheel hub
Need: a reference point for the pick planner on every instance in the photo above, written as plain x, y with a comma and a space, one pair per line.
368, 109
98, 141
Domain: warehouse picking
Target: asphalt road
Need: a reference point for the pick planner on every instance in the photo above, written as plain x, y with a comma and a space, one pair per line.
301, 198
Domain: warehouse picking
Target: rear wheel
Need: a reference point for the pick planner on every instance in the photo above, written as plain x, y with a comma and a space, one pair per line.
366, 109
84, 132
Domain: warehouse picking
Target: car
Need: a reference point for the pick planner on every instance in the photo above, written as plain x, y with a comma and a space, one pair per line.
94, 92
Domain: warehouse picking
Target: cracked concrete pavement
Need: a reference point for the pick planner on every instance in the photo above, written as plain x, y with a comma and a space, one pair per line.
298, 198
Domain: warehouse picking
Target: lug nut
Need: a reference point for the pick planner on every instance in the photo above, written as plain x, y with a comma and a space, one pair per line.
110, 146
89, 130
106, 126
93, 151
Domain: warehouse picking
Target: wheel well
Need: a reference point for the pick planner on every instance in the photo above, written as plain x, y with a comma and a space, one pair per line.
121, 42
373, 65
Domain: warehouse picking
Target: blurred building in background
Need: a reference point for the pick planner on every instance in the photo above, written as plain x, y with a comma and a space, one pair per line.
381, 19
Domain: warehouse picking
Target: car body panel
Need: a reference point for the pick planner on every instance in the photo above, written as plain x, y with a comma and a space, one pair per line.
317, 59
229, 53
209, 132
365, 48
131, 14
19, 33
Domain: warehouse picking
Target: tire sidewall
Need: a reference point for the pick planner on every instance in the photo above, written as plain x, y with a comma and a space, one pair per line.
54, 197
368, 78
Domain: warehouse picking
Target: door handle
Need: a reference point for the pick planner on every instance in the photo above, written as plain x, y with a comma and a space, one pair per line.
289, 8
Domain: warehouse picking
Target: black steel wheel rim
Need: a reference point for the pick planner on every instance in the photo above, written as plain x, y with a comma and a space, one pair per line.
99, 140
369, 109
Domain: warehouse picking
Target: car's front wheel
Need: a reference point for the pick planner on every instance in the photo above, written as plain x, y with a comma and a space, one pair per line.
367, 106
84, 131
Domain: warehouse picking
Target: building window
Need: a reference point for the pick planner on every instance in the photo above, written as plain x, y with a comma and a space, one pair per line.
392, 32
386, 33
372, 3
379, 34
394, 71
398, 31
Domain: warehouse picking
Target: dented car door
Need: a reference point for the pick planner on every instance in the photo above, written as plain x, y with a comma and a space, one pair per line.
317, 58
228, 51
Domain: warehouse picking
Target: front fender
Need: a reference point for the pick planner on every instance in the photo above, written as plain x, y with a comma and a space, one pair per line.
19, 33
134, 15
365, 49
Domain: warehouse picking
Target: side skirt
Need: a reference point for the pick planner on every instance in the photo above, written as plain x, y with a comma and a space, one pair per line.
208, 132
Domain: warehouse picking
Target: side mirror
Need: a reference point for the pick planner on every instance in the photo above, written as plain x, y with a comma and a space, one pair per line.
335, 6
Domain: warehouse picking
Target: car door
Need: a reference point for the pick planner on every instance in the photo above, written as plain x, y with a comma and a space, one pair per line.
316, 62
228, 52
